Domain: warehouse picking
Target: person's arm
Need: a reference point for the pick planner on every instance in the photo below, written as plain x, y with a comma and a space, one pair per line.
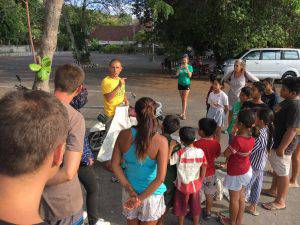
226, 108
203, 168
162, 161
109, 96
227, 152
126, 102
69, 170
189, 72
286, 140
251, 77
116, 164
227, 77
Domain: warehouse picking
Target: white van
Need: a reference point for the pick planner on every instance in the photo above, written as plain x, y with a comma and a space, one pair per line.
276, 63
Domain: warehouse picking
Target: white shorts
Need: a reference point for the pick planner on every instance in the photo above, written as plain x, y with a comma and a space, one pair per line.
151, 209
235, 183
209, 185
280, 165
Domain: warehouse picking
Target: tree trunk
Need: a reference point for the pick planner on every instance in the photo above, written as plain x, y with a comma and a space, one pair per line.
49, 38
71, 35
29, 31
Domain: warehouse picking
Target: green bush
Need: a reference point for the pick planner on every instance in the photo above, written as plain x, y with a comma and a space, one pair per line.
118, 49
94, 45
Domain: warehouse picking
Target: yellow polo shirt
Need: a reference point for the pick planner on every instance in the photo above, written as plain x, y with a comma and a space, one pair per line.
108, 84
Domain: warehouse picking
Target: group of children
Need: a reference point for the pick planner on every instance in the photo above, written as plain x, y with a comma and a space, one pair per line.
251, 132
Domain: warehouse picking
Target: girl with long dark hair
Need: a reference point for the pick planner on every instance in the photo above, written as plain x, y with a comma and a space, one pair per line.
145, 155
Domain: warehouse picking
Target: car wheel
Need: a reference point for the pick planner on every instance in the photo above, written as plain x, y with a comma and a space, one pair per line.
289, 74
96, 140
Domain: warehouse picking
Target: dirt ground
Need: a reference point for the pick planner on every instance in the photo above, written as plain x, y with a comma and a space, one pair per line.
144, 79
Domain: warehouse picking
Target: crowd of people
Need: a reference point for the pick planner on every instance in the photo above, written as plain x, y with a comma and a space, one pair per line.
44, 149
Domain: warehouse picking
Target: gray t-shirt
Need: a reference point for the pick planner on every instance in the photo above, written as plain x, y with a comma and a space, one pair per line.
64, 200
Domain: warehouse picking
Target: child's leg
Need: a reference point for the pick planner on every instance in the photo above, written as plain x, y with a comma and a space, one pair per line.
181, 220
256, 189
184, 101
209, 202
234, 206
196, 220
241, 206
195, 207
161, 220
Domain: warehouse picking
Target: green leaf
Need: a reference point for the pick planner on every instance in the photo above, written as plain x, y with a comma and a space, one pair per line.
46, 61
34, 67
44, 73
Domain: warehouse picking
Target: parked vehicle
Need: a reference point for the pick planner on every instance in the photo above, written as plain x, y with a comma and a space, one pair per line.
276, 63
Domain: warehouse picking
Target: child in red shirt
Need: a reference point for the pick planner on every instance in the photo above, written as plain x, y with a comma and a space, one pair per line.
212, 150
239, 170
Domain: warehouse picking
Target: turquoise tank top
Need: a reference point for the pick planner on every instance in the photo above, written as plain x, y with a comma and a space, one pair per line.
140, 173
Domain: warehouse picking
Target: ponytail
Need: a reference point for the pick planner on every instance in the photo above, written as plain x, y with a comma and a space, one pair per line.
146, 127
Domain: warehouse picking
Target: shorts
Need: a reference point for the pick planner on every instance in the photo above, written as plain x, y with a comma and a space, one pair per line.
183, 202
209, 185
217, 115
151, 209
235, 183
280, 165
184, 87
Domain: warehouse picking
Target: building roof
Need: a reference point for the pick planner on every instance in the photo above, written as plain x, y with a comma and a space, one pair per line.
114, 33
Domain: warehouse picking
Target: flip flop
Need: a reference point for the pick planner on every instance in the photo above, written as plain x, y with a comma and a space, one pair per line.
224, 220
294, 185
272, 206
253, 213
266, 192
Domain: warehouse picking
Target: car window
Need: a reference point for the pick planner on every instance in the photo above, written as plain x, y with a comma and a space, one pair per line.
271, 55
290, 54
252, 55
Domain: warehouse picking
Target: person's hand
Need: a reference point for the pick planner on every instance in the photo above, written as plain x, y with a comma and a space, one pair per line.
279, 153
132, 203
122, 81
90, 161
126, 102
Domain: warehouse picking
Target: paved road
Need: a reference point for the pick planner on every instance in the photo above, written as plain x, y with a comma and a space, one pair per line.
145, 79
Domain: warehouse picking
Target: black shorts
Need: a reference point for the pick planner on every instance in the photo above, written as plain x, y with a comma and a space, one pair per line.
183, 87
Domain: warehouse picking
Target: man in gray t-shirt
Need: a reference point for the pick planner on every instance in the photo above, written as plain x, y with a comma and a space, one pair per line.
62, 197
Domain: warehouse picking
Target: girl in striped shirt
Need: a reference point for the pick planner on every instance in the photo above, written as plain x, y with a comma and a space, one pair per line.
259, 156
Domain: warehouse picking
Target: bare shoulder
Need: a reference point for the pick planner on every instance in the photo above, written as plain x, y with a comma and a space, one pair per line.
160, 139
124, 139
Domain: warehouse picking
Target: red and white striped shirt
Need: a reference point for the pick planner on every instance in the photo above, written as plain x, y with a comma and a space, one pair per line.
189, 161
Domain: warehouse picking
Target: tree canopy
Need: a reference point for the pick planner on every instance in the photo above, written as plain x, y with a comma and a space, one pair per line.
230, 26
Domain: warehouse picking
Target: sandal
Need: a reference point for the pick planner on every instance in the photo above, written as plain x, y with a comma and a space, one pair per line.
253, 213
224, 220
267, 192
294, 185
272, 206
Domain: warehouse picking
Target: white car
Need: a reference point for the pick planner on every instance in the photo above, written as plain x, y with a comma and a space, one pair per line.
276, 63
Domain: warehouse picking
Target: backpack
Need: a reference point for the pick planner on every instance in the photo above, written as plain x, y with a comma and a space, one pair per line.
80, 99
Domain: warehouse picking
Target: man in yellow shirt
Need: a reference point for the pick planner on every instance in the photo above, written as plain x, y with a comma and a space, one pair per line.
113, 89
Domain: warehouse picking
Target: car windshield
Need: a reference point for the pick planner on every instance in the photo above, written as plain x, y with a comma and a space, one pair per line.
240, 55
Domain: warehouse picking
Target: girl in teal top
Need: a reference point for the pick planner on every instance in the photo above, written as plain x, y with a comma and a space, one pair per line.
184, 74
145, 153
